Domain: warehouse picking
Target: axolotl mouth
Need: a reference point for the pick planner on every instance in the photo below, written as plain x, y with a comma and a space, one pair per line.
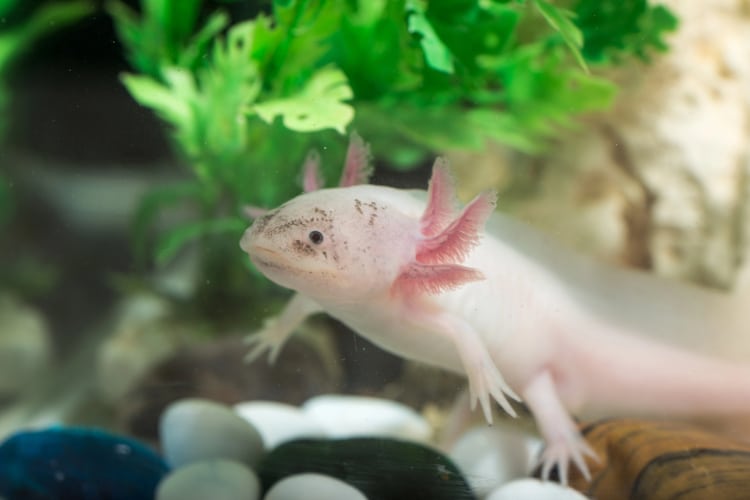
262, 257
265, 258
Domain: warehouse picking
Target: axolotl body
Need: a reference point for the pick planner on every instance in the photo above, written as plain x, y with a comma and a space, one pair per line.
477, 293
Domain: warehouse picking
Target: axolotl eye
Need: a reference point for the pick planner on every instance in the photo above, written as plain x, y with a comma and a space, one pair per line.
316, 237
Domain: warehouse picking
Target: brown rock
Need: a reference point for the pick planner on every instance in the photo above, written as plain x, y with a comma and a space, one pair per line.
659, 460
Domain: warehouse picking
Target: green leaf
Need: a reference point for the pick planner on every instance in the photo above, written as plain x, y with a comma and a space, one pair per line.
504, 128
436, 54
6, 203
198, 44
176, 18
378, 56
6, 6
656, 22
171, 102
613, 29
45, 19
296, 42
14, 42
227, 87
561, 21
154, 203
176, 238
319, 105
207, 109
164, 35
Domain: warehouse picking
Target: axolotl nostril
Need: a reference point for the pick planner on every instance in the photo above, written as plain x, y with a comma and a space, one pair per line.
477, 293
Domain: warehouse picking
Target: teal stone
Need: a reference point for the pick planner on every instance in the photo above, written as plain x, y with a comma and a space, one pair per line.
71, 463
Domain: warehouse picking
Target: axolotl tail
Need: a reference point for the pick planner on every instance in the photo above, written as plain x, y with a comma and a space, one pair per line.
620, 375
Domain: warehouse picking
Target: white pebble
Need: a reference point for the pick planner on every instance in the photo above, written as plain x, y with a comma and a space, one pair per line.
313, 487
347, 416
193, 430
534, 489
279, 422
214, 479
490, 457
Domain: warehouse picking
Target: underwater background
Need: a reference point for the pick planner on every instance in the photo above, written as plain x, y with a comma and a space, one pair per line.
136, 133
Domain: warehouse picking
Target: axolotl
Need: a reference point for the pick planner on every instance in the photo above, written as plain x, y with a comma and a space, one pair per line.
480, 294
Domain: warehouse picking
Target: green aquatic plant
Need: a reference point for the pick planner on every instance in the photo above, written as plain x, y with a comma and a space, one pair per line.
6, 205
22, 25
22, 28
223, 118
245, 100
613, 30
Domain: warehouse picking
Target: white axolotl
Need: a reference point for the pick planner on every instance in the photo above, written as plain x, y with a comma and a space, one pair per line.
479, 294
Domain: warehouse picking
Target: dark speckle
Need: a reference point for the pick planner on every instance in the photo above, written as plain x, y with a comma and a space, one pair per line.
261, 222
284, 223
371, 207
303, 248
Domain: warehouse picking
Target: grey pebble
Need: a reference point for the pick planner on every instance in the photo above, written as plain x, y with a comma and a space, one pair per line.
192, 430
211, 479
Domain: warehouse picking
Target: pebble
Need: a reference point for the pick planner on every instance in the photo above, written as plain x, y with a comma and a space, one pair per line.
278, 422
214, 479
77, 463
349, 416
193, 430
490, 457
534, 489
313, 487
378, 467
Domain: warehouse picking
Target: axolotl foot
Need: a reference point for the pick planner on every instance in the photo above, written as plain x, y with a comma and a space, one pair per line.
277, 330
268, 340
572, 448
564, 443
486, 381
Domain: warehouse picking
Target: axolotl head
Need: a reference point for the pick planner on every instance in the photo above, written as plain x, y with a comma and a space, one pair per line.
340, 244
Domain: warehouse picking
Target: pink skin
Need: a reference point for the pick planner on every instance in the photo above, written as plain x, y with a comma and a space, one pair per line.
312, 178
431, 283
439, 212
445, 238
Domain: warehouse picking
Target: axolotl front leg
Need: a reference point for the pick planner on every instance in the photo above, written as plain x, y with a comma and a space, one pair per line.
564, 442
485, 380
277, 330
